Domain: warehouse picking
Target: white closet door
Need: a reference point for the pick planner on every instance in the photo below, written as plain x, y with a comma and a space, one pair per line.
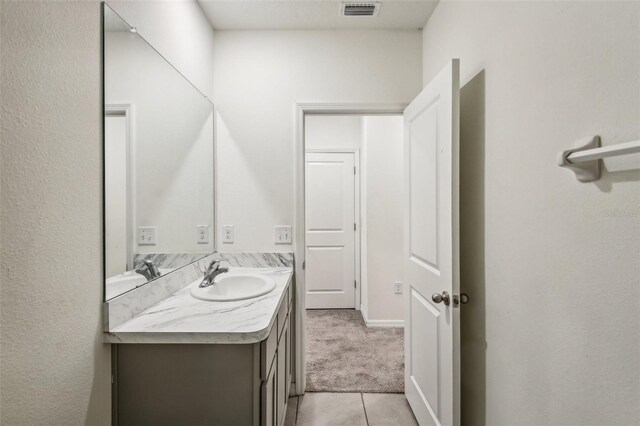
330, 234
116, 151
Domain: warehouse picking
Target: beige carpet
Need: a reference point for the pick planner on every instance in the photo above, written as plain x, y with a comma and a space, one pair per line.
343, 355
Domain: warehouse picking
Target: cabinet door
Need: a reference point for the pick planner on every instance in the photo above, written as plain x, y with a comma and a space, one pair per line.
289, 354
269, 397
283, 397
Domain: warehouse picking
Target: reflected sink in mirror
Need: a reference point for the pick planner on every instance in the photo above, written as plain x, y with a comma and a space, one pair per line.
158, 156
121, 283
235, 286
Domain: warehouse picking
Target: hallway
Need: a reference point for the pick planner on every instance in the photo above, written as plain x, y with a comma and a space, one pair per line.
344, 355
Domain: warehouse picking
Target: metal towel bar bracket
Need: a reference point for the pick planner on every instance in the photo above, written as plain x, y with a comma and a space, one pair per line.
584, 159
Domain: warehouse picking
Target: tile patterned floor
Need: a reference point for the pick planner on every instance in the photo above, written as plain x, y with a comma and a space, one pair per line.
349, 409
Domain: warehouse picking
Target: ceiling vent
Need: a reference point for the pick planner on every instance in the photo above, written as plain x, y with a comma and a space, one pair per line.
359, 9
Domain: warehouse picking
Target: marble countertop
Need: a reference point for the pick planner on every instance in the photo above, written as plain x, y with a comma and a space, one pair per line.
181, 318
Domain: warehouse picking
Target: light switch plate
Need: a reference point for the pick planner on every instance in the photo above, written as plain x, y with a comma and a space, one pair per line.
202, 234
397, 287
147, 236
227, 234
282, 234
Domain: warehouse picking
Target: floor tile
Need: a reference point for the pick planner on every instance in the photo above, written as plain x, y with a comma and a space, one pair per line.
388, 409
292, 411
331, 409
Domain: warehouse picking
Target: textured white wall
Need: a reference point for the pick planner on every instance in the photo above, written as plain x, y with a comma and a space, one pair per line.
55, 368
552, 265
258, 77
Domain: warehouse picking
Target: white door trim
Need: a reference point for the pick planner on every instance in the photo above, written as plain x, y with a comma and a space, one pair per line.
300, 109
126, 110
356, 213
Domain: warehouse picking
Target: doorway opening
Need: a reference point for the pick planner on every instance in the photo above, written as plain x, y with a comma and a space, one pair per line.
119, 156
353, 236
431, 261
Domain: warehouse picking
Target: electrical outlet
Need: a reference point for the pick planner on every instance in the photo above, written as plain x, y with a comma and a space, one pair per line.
147, 236
227, 234
202, 234
283, 234
397, 287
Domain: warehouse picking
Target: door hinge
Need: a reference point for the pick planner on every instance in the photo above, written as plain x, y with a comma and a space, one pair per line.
303, 265
354, 170
354, 226
355, 284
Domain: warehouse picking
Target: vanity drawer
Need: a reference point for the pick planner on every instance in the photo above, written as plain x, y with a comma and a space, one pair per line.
282, 314
291, 292
281, 387
291, 304
268, 351
269, 346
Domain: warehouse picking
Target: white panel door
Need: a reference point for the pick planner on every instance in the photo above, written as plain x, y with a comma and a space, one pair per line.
330, 234
431, 267
116, 151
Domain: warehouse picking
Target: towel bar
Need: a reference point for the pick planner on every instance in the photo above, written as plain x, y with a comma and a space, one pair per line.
584, 159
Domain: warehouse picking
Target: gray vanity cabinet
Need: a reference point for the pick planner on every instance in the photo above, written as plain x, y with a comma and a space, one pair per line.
269, 392
283, 397
206, 384
278, 379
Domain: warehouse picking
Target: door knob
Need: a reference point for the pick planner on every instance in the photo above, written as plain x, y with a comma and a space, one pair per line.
444, 297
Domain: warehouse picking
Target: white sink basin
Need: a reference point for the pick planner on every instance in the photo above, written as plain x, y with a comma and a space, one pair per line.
230, 286
122, 283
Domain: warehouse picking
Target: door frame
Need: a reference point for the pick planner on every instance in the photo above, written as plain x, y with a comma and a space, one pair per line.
126, 110
300, 110
357, 198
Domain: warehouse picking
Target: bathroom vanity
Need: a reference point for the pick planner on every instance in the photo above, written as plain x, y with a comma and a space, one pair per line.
182, 354
191, 361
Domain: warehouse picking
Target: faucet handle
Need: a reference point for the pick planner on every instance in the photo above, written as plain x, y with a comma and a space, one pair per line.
218, 262
152, 268
215, 263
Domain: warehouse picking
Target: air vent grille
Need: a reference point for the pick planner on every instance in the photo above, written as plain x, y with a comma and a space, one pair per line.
359, 9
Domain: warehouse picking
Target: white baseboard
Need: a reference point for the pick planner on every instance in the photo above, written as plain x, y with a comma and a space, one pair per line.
380, 323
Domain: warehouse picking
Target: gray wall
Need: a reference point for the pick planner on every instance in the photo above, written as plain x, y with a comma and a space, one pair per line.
55, 368
552, 265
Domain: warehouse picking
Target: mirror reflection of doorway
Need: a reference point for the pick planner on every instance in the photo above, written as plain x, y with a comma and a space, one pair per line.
118, 186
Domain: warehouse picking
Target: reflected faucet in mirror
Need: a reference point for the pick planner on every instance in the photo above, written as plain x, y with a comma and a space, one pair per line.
212, 272
160, 209
149, 270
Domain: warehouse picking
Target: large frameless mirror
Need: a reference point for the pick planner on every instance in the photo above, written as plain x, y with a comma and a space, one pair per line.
158, 163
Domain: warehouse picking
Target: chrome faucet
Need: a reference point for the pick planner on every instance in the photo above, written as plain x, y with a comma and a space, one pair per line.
149, 270
212, 272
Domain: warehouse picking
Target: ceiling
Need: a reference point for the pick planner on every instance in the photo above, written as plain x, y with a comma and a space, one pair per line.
312, 15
